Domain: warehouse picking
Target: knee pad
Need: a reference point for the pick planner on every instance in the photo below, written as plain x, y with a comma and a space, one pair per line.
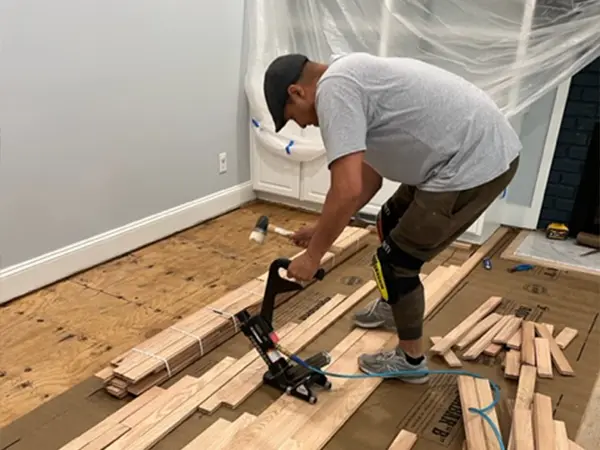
391, 287
387, 219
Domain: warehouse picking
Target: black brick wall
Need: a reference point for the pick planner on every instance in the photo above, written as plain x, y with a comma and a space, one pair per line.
581, 113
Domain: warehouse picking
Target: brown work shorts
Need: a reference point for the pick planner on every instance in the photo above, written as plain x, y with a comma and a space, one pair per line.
428, 222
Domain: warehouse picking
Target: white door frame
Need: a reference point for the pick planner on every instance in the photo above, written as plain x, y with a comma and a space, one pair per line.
528, 216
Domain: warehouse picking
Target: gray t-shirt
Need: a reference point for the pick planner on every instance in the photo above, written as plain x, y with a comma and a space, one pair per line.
419, 124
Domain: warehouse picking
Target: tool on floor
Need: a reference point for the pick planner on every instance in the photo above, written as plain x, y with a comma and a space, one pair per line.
557, 231
283, 374
520, 268
487, 263
259, 233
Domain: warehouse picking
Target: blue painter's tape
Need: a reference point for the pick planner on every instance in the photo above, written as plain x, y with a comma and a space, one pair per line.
288, 148
255, 123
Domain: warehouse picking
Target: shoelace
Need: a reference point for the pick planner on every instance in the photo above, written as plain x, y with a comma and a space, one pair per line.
374, 305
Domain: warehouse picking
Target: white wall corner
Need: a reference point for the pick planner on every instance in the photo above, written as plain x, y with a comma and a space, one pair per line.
46, 269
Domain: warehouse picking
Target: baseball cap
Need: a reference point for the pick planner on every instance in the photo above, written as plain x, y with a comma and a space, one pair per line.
281, 73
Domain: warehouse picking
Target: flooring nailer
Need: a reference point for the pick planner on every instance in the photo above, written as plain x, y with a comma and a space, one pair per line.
282, 373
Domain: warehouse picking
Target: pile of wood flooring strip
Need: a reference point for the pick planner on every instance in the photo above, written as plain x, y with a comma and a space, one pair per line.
296, 424
533, 426
172, 350
525, 342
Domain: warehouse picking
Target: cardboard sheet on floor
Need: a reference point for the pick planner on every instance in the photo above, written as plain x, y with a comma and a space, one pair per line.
432, 412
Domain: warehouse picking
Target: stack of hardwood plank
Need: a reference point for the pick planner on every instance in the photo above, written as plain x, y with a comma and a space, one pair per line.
525, 342
170, 351
533, 426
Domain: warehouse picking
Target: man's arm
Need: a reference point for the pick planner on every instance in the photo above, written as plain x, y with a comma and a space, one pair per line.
371, 183
346, 192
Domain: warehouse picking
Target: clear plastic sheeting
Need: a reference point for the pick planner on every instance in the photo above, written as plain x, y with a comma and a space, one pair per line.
516, 50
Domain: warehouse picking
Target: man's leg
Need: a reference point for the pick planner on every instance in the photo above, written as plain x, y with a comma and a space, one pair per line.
431, 223
379, 313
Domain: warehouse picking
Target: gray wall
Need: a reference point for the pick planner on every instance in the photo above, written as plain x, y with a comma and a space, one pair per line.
114, 110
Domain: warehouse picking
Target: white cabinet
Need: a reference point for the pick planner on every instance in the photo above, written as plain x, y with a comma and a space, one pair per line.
314, 180
272, 173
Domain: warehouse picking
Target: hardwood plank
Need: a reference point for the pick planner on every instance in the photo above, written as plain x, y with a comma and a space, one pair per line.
509, 329
512, 364
484, 341
549, 326
242, 386
103, 441
524, 397
526, 387
405, 440
484, 394
522, 429
466, 325
542, 356
527, 344
287, 418
565, 337
560, 435
473, 423
558, 358
515, 341
186, 395
478, 330
543, 423
119, 416
450, 357
209, 436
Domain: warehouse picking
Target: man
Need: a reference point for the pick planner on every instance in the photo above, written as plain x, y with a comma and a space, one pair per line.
440, 136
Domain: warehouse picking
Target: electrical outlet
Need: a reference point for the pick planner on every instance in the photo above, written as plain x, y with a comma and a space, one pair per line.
222, 162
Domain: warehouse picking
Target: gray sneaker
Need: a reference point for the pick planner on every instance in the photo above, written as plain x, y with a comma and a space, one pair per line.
377, 315
394, 361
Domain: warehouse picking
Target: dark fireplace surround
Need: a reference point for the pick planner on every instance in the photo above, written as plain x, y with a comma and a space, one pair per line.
572, 194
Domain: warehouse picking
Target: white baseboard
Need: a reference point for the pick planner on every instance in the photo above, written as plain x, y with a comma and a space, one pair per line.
46, 269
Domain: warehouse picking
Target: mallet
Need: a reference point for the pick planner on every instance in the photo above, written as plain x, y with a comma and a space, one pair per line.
263, 226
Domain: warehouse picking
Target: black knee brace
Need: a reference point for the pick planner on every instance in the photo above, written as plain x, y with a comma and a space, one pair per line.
392, 287
387, 219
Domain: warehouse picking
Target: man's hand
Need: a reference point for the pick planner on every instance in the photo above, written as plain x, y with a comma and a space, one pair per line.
303, 236
303, 268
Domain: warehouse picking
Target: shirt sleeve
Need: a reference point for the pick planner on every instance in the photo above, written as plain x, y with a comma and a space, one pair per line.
341, 109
